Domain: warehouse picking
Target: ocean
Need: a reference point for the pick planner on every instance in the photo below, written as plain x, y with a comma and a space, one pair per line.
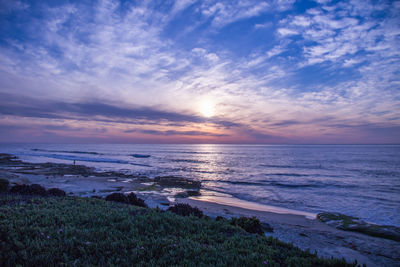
356, 180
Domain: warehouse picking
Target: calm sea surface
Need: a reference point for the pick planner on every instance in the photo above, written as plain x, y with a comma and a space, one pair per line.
357, 180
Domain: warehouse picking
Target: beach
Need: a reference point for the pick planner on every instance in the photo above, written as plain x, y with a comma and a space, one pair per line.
200, 133
302, 229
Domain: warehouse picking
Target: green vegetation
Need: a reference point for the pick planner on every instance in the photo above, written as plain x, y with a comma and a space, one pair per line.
4, 185
69, 231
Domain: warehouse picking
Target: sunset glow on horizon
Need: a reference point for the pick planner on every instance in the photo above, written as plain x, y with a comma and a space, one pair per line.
269, 72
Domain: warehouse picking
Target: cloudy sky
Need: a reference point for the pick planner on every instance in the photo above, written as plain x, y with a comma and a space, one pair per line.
187, 71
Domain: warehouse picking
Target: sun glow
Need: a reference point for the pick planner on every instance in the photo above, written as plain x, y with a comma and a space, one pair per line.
207, 109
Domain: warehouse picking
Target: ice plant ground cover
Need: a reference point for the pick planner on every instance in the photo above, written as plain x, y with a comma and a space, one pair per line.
70, 231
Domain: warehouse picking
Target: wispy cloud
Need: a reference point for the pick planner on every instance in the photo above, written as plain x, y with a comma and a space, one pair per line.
226, 12
173, 132
121, 63
286, 31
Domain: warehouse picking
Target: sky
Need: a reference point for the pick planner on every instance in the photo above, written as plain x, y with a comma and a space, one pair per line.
187, 71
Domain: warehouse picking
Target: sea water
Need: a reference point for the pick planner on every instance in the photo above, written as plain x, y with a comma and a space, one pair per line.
356, 180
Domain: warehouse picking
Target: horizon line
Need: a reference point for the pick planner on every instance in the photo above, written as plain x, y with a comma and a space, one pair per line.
255, 144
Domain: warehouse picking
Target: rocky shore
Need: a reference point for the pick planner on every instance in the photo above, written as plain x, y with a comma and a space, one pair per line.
81, 180
325, 236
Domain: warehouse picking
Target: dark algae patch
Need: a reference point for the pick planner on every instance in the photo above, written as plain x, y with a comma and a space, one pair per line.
70, 231
349, 223
176, 181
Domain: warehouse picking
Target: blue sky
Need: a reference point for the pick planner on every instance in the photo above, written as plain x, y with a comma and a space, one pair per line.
279, 71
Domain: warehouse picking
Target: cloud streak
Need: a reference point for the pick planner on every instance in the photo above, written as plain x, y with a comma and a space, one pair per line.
99, 111
272, 70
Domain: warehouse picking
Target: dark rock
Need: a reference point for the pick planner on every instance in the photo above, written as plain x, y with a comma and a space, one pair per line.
63, 169
37, 189
117, 197
4, 185
34, 189
186, 210
188, 193
22, 189
250, 225
134, 200
182, 195
175, 181
98, 197
193, 193
8, 159
56, 192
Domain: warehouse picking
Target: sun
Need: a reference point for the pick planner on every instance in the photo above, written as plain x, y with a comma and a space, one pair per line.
207, 109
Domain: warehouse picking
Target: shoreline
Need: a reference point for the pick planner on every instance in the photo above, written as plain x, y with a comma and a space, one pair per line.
87, 181
302, 228
313, 235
